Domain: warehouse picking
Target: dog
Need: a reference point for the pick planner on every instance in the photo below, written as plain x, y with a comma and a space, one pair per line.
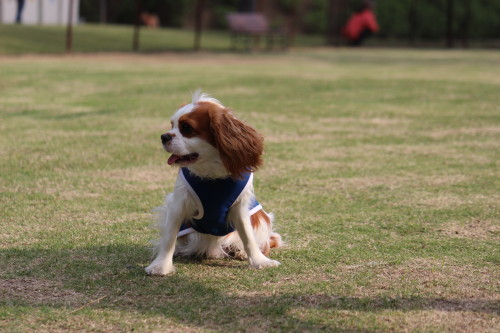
212, 211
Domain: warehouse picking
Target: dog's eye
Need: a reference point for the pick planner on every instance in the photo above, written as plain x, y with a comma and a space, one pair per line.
186, 129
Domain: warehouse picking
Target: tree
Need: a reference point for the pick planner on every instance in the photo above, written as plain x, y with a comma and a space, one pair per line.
200, 5
450, 13
69, 28
337, 12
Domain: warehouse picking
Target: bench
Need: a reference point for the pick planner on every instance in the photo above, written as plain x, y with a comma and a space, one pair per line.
254, 26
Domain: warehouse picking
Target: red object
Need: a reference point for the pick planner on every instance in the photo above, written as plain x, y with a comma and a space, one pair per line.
359, 22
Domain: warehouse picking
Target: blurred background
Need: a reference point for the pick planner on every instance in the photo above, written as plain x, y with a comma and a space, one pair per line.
162, 25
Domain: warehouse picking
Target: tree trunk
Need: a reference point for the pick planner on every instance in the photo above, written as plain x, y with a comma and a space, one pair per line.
413, 22
200, 5
137, 27
449, 23
102, 11
330, 21
337, 11
69, 28
466, 23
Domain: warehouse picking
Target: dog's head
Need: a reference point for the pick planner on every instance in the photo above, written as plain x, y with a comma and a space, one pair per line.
206, 135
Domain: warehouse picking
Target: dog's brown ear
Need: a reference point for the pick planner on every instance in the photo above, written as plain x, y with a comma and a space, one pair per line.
240, 146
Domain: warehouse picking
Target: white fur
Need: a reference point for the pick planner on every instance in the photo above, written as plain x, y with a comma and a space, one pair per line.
179, 206
199, 96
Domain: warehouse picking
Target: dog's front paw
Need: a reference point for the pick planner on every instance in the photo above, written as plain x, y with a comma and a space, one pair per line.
157, 269
264, 263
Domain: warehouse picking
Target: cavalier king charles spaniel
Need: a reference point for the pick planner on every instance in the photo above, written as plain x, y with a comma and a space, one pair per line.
212, 211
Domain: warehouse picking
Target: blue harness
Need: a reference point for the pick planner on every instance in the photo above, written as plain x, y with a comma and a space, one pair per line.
214, 198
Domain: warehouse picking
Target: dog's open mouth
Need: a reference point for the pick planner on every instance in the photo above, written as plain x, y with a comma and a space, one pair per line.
184, 159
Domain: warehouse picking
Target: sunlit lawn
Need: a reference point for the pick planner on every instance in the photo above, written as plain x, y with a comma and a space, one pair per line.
381, 168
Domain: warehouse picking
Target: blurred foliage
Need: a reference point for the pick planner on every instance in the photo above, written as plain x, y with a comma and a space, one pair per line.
393, 15
315, 18
289, 7
170, 12
430, 18
220, 10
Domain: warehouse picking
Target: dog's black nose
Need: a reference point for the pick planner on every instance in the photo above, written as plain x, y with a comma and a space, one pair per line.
165, 138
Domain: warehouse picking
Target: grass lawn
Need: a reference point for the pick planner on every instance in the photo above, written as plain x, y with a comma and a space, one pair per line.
18, 39
382, 168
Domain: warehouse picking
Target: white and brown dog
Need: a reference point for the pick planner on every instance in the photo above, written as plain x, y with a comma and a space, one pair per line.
212, 211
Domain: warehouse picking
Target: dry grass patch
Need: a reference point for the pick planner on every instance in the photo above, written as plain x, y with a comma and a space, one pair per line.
360, 183
293, 137
472, 229
153, 176
68, 185
109, 218
360, 123
445, 285
29, 232
472, 131
71, 194
94, 318
238, 90
401, 321
446, 200
450, 321
466, 284
39, 292
297, 279
391, 182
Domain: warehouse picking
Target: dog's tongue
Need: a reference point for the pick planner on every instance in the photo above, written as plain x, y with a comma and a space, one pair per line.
172, 159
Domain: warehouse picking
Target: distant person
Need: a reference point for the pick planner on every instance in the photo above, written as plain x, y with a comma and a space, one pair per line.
361, 24
19, 13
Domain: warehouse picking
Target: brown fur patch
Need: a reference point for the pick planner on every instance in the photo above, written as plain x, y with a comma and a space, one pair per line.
199, 120
266, 250
240, 146
274, 241
260, 215
256, 219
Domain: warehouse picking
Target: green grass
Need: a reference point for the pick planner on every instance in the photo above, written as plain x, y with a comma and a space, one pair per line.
15, 39
381, 168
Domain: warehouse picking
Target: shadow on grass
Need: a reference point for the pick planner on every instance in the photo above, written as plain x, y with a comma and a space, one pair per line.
114, 275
